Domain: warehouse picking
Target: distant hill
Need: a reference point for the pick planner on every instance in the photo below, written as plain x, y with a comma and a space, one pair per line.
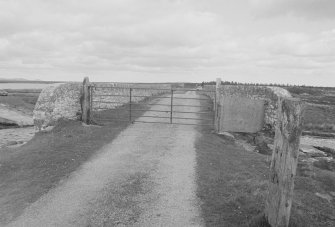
22, 80
13, 79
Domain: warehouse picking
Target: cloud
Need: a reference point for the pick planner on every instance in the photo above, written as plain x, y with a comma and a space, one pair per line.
181, 39
299, 52
312, 9
160, 35
301, 44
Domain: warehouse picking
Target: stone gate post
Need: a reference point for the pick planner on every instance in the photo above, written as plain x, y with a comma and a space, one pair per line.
217, 105
85, 102
284, 162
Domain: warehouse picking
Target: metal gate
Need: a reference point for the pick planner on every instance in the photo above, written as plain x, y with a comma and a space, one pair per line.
110, 104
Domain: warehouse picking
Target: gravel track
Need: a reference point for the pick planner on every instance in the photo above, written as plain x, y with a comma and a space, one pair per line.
145, 177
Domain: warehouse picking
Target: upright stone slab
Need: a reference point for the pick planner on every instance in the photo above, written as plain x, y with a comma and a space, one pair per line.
217, 105
85, 102
3, 93
57, 101
239, 114
284, 162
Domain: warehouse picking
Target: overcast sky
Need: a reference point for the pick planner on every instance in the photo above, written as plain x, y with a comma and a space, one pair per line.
283, 41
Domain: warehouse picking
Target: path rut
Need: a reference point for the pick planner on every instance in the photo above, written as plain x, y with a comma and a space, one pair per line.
145, 177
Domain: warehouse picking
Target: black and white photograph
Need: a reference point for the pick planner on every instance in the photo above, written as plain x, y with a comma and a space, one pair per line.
167, 113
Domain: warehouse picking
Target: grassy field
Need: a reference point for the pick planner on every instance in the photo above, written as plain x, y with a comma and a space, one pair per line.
320, 112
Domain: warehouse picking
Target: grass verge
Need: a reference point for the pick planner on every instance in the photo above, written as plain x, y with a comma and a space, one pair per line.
28, 172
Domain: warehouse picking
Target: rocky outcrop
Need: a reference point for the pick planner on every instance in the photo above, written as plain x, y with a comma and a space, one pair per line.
3, 93
9, 117
13, 137
55, 102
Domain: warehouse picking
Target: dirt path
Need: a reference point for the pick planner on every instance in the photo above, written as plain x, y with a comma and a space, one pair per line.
145, 177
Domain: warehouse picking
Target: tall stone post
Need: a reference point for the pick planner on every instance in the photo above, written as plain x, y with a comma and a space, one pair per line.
284, 161
217, 105
85, 102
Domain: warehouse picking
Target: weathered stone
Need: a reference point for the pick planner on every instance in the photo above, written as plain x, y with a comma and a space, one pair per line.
3, 93
55, 102
324, 196
269, 94
14, 118
227, 135
281, 92
329, 151
240, 114
284, 162
11, 143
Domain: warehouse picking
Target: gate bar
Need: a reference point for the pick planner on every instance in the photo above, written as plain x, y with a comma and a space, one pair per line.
163, 111
111, 101
153, 104
130, 91
142, 88
203, 112
170, 123
154, 117
141, 96
192, 118
171, 106
109, 119
91, 103
148, 104
191, 98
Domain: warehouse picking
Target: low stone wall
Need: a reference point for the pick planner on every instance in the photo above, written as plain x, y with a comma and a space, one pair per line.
64, 100
269, 94
208, 90
119, 94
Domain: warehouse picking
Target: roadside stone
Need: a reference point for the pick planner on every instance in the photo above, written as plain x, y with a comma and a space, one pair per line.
11, 143
325, 164
3, 93
48, 128
327, 150
311, 151
55, 102
263, 148
227, 135
14, 118
324, 196
10, 136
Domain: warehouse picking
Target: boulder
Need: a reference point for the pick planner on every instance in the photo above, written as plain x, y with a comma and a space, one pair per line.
58, 101
3, 93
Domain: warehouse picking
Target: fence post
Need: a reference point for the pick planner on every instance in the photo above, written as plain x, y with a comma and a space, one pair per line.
86, 102
284, 161
217, 105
